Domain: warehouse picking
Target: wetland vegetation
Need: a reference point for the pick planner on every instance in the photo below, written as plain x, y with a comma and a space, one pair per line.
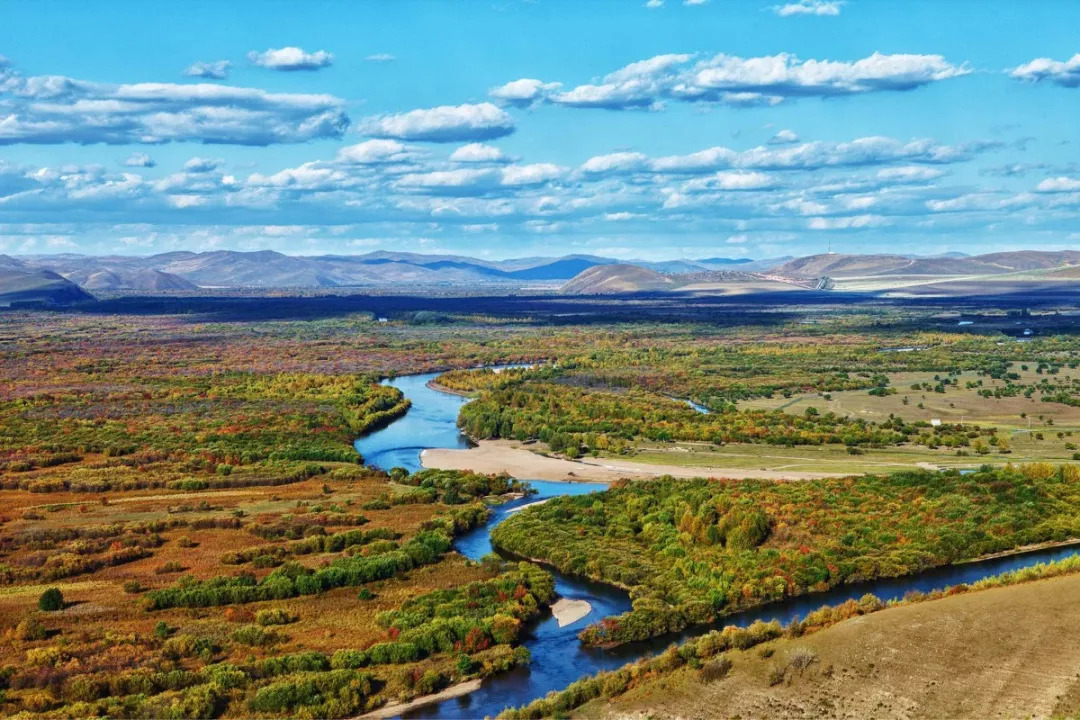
188, 485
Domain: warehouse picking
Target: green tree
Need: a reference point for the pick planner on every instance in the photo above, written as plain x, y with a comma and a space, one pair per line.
51, 600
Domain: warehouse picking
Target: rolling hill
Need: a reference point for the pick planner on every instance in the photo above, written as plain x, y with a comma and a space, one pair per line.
848, 266
612, 279
19, 285
124, 279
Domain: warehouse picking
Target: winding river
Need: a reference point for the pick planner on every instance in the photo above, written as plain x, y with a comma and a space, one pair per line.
558, 659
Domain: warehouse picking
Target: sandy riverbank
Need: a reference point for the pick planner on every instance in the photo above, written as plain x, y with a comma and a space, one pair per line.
496, 456
568, 611
519, 508
443, 389
393, 709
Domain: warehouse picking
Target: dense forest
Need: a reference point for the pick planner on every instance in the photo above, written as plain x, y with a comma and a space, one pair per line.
691, 551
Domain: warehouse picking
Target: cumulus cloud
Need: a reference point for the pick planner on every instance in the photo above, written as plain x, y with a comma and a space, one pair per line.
375, 152
481, 180
478, 153
784, 137
139, 159
737, 81
1058, 185
290, 59
620, 162
307, 177
534, 174
57, 109
866, 151
909, 174
1066, 74
637, 85
653, 4
731, 180
203, 165
452, 180
523, 92
381, 58
448, 123
808, 7
216, 70
786, 75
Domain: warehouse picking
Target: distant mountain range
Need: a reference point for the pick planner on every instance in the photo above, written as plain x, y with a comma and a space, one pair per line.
67, 278
266, 268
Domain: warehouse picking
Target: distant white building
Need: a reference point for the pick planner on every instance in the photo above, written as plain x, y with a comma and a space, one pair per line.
935, 422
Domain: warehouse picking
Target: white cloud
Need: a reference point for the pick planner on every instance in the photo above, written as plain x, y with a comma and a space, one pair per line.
308, 177
853, 222
478, 153
480, 227
1058, 185
523, 92
456, 179
381, 58
1066, 74
784, 137
57, 109
620, 162
653, 4
809, 7
813, 155
738, 81
636, 85
374, 152
534, 174
785, 74
448, 123
482, 180
138, 159
291, 58
694, 2
216, 70
203, 165
909, 173
737, 240
731, 180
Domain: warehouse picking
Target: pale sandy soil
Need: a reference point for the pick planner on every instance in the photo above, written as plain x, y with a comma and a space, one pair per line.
568, 611
1011, 652
496, 456
393, 709
526, 505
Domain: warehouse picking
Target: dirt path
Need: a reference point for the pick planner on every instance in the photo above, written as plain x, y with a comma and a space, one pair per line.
499, 456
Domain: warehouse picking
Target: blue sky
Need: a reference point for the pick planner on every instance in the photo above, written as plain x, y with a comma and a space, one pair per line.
507, 128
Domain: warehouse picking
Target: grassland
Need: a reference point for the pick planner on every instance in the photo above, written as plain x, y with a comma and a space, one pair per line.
926, 660
145, 459
193, 458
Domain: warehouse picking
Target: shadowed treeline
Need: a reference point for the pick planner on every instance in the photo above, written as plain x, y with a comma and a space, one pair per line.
769, 307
